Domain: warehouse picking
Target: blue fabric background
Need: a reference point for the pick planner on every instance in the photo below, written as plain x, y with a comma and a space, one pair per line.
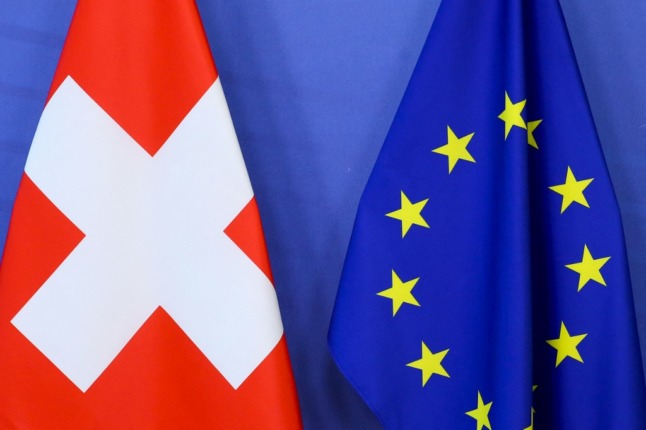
312, 87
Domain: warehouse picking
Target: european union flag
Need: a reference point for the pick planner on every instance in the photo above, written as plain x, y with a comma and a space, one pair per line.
486, 283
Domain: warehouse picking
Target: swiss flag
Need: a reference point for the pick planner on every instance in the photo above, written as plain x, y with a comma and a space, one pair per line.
135, 289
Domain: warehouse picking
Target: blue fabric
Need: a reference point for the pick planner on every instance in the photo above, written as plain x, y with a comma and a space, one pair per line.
493, 286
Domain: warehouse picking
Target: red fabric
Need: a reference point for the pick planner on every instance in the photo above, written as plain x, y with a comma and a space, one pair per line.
246, 232
146, 63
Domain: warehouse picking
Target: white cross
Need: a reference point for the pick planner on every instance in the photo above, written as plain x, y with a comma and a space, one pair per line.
153, 237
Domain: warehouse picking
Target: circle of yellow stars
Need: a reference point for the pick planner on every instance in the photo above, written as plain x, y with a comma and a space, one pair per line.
410, 214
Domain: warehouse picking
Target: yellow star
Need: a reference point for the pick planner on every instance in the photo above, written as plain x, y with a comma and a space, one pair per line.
531, 126
572, 190
531, 425
589, 268
409, 214
511, 115
455, 148
430, 364
481, 413
400, 292
566, 345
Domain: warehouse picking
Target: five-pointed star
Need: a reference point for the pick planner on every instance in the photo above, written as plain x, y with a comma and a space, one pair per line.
511, 115
409, 214
430, 364
455, 148
589, 268
481, 413
400, 292
566, 345
531, 126
572, 190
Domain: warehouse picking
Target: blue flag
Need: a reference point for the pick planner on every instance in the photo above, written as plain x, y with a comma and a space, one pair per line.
486, 283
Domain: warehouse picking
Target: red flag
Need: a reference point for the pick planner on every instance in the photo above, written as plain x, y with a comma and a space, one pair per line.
135, 289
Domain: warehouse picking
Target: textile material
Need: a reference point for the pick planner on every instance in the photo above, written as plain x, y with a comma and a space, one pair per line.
135, 288
486, 281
